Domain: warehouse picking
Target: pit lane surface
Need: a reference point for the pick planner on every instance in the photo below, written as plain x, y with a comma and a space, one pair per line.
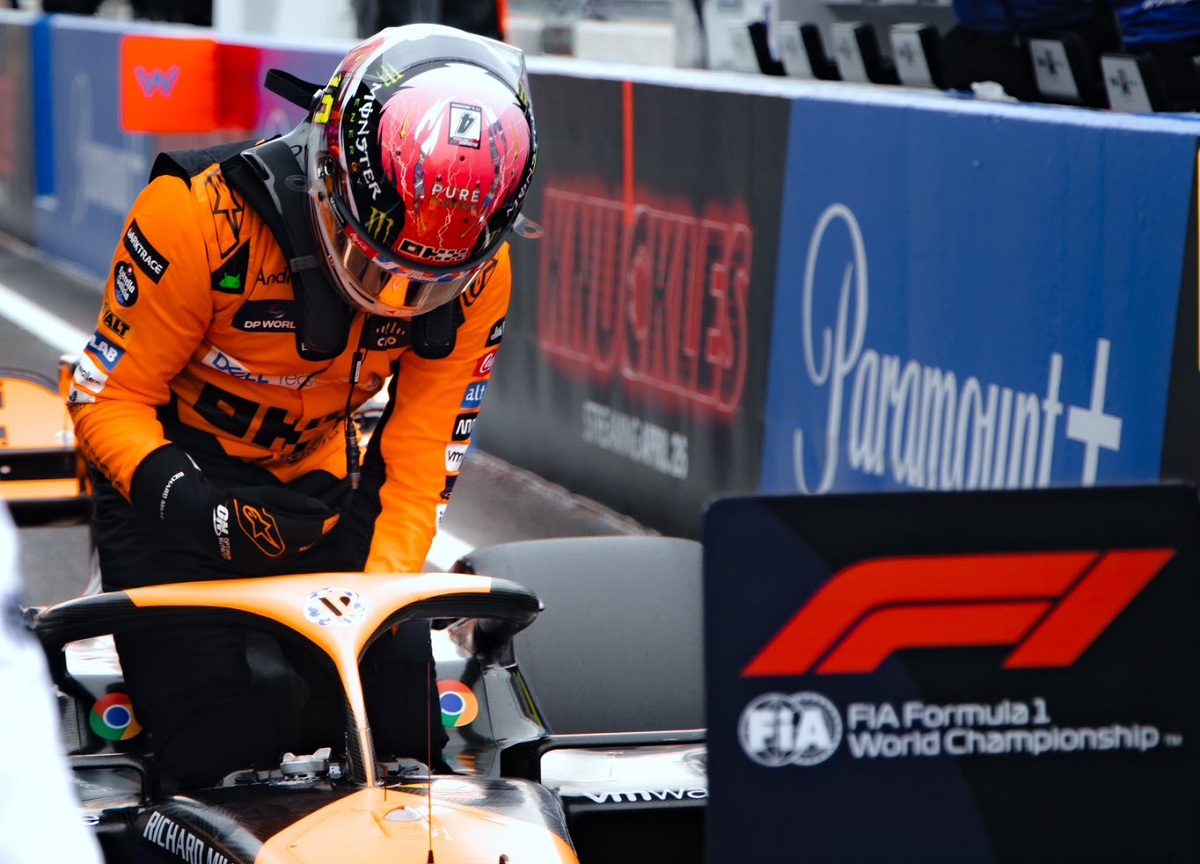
46, 310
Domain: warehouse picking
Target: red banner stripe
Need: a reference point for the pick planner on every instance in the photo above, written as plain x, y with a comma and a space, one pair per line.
1089, 608
941, 626
851, 593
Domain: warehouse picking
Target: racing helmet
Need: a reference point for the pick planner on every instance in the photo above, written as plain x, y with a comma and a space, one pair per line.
420, 151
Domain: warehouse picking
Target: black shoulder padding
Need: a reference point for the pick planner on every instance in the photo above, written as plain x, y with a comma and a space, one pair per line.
186, 164
272, 181
434, 332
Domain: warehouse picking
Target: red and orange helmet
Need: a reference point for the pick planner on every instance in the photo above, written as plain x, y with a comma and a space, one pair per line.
421, 150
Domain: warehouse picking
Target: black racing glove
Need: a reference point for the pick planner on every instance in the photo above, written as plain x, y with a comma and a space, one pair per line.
254, 528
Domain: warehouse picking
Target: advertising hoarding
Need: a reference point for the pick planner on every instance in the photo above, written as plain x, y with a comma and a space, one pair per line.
975, 298
953, 677
635, 349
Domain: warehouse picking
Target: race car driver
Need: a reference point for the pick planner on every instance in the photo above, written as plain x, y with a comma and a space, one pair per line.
258, 295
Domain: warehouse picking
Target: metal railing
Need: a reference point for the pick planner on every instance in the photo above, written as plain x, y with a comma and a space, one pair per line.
595, 9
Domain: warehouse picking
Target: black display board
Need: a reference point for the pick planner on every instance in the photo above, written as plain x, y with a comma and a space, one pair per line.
634, 363
975, 677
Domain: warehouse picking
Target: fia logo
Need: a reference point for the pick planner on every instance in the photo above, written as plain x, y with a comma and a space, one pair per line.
155, 81
778, 729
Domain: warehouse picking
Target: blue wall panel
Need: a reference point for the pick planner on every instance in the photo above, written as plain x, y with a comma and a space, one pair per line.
97, 169
974, 296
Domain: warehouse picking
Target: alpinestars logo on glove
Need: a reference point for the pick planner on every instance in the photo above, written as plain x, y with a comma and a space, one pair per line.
1050, 605
261, 528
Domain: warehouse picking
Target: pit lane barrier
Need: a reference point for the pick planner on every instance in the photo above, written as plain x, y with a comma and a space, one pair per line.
746, 283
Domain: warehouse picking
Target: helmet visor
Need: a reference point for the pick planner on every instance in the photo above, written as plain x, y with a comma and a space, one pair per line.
377, 282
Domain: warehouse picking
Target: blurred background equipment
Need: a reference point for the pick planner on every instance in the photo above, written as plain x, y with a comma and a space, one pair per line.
483, 17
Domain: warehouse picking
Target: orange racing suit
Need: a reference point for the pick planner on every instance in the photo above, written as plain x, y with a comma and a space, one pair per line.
199, 344
199, 314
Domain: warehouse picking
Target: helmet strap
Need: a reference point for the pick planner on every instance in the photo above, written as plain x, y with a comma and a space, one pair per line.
434, 332
271, 179
293, 89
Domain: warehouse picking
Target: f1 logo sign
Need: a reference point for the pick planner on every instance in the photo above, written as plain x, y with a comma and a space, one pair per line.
1050, 605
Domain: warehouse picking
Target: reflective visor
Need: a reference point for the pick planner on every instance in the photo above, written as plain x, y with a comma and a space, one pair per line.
376, 282
388, 260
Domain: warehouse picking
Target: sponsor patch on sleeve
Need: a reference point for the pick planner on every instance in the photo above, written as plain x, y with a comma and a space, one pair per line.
89, 380
455, 453
89, 375
230, 276
104, 351
110, 319
496, 333
125, 287
473, 396
484, 367
463, 426
148, 259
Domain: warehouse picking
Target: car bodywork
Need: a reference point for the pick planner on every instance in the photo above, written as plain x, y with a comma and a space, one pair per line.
42, 475
515, 791
617, 662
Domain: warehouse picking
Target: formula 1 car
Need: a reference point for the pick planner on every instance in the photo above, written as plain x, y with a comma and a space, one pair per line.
616, 780
42, 477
